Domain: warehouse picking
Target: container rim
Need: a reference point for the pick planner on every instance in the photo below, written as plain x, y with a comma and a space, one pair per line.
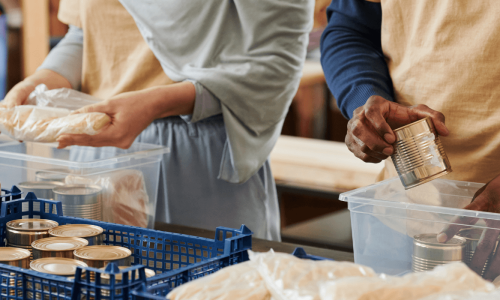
152, 150
351, 197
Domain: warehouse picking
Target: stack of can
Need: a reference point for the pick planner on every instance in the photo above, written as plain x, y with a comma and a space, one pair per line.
93, 234
419, 156
80, 201
23, 232
429, 253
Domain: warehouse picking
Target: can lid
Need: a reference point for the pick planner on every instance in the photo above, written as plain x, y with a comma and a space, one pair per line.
57, 265
76, 230
80, 190
102, 252
59, 244
149, 273
42, 185
13, 254
52, 174
431, 239
31, 224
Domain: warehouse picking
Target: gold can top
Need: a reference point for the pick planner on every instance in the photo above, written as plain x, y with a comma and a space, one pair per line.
102, 252
31, 224
13, 254
57, 265
59, 244
76, 230
149, 273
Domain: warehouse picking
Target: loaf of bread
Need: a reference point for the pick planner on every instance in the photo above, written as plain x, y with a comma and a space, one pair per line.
46, 124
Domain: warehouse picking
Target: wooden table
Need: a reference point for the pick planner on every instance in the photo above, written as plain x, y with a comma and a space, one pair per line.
260, 245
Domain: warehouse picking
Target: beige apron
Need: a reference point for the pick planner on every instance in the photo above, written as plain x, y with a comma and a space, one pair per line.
116, 59
446, 54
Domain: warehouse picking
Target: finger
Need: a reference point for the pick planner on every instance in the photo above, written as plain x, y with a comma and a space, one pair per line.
422, 111
484, 248
461, 222
99, 107
376, 109
355, 148
493, 269
366, 150
367, 134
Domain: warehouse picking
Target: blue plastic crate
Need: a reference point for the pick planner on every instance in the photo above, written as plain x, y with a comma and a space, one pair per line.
159, 290
161, 251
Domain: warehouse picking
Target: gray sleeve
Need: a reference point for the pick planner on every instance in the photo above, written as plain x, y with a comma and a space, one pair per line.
205, 104
66, 58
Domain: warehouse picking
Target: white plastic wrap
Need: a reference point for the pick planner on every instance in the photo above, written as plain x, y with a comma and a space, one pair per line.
278, 276
124, 196
48, 115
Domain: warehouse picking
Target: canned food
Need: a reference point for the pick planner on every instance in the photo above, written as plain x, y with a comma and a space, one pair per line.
105, 278
57, 266
41, 189
23, 232
472, 235
81, 201
52, 175
93, 234
100, 256
429, 253
419, 156
15, 257
57, 247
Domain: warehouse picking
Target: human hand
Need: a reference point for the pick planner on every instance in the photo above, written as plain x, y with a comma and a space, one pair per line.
18, 94
132, 112
486, 199
369, 132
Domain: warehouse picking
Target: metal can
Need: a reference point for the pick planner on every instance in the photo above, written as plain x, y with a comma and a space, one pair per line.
15, 257
52, 175
92, 233
100, 256
57, 247
23, 232
80, 201
429, 253
57, 266
105, 278
419, 156
41, 189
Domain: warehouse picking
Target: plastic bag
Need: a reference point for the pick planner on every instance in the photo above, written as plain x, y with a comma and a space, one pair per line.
124, 196
50, 117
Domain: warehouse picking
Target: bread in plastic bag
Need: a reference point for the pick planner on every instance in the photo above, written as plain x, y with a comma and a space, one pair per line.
47, 120
124, 196
279, 276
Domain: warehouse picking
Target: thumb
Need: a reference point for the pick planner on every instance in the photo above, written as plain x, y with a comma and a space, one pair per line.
99, 107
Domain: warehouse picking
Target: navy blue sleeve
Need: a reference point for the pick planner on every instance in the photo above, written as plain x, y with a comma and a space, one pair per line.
351, 54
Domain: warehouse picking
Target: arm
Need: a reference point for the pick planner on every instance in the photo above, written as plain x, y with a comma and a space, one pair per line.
358, 76
351, 54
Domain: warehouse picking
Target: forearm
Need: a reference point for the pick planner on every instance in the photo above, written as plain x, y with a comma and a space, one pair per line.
50, 78
351, 54
170, 100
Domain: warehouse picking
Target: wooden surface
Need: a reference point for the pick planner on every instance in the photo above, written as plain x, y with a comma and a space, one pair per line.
331, 231
260, 245
323, 165
35, 34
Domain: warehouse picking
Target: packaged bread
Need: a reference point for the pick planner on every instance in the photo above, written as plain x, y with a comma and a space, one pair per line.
124, 196
46, 124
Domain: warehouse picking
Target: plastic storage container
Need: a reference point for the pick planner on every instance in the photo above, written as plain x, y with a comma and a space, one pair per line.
129, 178
385, 218
160, 289
166, 253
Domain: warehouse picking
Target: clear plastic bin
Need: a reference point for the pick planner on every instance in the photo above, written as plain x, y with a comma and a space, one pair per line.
385, 218
105, 166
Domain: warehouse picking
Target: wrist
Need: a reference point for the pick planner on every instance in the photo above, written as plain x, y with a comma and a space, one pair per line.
173, 100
